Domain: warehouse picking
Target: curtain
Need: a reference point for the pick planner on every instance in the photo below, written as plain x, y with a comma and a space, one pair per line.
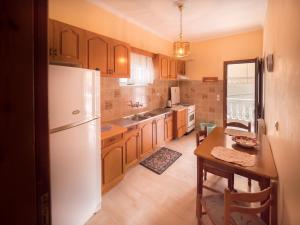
141, 70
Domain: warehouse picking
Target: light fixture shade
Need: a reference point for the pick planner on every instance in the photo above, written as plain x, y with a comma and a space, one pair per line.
181, 49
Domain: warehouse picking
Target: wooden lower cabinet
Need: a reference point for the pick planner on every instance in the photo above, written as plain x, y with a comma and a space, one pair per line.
112, 165
180, 122
147, 142
132, 147
160, 131
169, 127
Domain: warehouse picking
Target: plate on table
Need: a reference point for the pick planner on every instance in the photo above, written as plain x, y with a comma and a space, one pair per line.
245, 142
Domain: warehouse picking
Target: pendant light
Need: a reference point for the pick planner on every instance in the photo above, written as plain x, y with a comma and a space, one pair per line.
181, 48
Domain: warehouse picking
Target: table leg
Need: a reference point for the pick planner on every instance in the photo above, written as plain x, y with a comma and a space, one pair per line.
274, 204
265, 183
199, 188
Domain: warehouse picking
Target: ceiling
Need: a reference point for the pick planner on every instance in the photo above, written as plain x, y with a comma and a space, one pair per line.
202, 19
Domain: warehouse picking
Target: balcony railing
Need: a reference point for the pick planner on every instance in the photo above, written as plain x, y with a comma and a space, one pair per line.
240, 109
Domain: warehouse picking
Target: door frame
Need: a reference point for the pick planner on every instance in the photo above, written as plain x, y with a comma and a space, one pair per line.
226, 63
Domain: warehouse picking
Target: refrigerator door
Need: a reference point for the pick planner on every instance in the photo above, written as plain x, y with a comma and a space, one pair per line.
75, 173
175, 95
74, 96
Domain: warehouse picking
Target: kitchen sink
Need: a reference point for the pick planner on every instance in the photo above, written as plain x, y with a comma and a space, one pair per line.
140, 117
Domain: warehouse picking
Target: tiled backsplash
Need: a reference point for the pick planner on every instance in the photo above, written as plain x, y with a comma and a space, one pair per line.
205, 96
115, 100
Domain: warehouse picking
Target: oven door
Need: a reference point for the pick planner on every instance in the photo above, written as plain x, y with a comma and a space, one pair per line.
191, 119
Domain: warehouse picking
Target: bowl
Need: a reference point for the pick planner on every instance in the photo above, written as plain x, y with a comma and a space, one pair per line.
245, 142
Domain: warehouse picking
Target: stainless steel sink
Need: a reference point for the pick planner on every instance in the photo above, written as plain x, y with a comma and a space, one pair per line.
140, 117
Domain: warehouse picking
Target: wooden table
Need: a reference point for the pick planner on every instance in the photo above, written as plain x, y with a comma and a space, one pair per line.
263, 171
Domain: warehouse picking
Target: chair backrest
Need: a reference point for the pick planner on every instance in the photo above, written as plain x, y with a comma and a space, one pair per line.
239, 125
199, 134
235, 202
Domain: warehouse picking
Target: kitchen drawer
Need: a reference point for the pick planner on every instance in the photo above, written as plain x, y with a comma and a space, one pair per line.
112, 140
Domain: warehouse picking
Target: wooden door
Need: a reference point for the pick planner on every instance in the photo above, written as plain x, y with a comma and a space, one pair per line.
160, 131
50, 40
112, 165
98, 53
164, 67
24, 148
68, 42
172, 69
131, 148
146, 138
169, 128
121, 59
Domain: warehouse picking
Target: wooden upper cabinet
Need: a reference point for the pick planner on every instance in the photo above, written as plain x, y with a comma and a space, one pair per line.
161, 64
98, 53
180, 67
172, 69
121, 59
67, 45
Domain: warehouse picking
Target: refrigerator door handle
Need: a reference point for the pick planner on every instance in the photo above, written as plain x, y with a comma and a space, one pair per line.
70, 125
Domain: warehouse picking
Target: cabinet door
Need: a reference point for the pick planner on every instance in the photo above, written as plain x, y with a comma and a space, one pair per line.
180, 67
112, 165
160, 132
98, 52
169, 128
121, 59
68, 44
164, 67
131, 148
172, 69
146, 138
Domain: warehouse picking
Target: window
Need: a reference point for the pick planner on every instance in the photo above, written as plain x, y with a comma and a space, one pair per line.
141, 71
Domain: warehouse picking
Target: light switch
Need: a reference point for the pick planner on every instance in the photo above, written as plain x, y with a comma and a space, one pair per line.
218, 98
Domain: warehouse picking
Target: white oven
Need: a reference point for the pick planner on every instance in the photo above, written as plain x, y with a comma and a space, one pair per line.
191, 117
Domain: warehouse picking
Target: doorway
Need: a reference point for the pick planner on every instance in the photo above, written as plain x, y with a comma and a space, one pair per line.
243, 92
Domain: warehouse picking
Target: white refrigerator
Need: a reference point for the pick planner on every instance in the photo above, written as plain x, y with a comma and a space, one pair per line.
74, 119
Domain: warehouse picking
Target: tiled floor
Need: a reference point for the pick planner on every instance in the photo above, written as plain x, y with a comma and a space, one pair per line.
145, 198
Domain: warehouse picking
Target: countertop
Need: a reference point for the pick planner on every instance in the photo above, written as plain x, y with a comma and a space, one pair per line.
110, 129
127, 122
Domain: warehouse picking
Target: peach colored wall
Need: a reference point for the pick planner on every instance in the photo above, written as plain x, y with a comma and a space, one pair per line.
282, 102
88, 16
207, 57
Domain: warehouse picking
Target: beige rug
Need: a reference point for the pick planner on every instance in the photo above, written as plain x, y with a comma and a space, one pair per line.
233, 156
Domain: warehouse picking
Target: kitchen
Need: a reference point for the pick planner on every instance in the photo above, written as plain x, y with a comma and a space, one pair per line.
131, 108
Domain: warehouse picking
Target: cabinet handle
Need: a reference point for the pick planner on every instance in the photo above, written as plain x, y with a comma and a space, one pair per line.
50, 51
55, 52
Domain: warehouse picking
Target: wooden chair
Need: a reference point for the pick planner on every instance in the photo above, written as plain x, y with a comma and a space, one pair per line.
200, 136
235, 208
242, 126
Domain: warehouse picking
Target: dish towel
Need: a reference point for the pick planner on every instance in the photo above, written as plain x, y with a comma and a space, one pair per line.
235, 132
233, 156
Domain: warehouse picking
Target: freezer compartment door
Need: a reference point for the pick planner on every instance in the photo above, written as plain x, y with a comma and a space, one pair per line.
75, 174
74, 95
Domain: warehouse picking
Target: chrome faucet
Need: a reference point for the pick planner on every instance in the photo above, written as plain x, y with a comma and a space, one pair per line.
135, 105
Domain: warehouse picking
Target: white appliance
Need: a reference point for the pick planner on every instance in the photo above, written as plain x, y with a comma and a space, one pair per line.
74, 119
191, 114
175, 95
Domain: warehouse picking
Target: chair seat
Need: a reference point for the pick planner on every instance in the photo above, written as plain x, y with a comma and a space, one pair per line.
214, 207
